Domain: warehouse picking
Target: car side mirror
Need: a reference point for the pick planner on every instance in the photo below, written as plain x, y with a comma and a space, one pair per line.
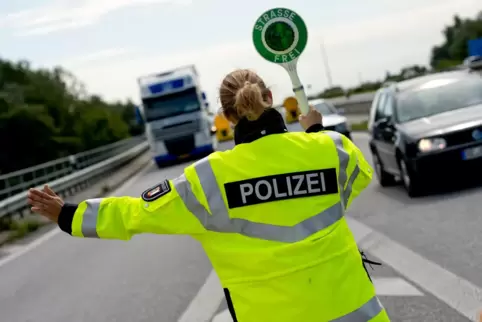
383, 123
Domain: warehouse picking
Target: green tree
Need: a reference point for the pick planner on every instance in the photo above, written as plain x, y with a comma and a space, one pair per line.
46, 114
454, 49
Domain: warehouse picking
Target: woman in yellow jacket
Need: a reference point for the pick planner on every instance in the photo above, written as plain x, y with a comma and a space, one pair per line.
270, 214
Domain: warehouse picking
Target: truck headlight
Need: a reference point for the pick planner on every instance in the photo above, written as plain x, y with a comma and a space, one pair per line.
434, 144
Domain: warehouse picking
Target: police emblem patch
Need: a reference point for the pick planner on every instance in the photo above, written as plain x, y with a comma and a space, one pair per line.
157, 191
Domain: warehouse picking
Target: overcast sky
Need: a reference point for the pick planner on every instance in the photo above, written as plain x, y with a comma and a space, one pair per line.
109, 43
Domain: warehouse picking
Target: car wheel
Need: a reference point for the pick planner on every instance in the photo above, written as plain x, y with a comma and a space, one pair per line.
384, 178
410, 180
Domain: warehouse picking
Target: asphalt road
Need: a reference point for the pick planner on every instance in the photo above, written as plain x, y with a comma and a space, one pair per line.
58, 278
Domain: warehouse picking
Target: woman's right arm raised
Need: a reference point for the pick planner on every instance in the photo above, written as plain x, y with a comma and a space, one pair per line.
358, 171
160, 210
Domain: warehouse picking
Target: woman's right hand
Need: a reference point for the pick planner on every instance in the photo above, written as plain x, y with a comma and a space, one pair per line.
313, 117
45, 202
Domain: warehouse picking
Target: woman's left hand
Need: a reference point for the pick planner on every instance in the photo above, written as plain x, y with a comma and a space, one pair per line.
313, 117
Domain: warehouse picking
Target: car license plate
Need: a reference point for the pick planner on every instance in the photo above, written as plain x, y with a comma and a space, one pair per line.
472, 153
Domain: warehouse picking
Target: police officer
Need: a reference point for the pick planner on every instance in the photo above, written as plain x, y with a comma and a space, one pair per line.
270, 214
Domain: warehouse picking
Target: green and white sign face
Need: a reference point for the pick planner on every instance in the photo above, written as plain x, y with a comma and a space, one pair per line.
280, 36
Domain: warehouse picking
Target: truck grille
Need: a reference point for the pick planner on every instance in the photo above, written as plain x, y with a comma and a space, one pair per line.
180, 146
177, 130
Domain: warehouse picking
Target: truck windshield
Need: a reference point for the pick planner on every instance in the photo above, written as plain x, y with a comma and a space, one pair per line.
171, 105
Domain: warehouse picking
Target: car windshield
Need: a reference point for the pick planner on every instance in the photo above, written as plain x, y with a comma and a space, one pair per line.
438, 96
171, 105
324, 108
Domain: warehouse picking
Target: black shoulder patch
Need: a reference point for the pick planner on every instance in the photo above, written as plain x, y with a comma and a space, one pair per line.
157, 191
281, 187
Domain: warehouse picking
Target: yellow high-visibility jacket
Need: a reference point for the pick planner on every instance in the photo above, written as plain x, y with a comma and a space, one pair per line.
270, 216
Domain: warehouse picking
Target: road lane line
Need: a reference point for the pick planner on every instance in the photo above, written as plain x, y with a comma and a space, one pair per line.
394, 286
224, 316
458, 293
34, 244
206, 302
21, 250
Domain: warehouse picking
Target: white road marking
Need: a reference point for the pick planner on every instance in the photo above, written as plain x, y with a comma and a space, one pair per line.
31, 246
18, 251
224, 316
451, 289
394, 286
206, 301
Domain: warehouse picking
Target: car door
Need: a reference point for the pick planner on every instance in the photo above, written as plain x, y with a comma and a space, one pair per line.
378, 117
382, 132
388, 135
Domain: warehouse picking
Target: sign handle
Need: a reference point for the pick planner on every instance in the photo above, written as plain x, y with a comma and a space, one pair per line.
298, 89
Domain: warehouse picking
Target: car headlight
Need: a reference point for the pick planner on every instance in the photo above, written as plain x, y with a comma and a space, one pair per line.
342, 127
434, 144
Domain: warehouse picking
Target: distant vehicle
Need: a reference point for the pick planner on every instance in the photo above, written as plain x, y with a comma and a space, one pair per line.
176, 115
426, 129
332, 120
223, 128
473, 62
292, 112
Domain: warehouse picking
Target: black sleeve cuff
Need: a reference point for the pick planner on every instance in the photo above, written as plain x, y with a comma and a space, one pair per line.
66, 217
315, 128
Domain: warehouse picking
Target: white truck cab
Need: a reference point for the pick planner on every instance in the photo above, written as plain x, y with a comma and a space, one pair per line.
176, 116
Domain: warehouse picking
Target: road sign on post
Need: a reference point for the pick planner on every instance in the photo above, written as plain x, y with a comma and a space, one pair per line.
280, 36
475, 47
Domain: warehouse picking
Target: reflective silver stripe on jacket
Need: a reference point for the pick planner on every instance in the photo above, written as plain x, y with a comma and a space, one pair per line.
219, 220
89, 218
343, 158
365, 313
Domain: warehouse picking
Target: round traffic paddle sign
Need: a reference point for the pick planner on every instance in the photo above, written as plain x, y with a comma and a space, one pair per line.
280, 35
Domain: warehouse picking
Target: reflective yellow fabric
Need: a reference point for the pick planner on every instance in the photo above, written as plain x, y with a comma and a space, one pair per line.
319, 278
285, 261
123, 217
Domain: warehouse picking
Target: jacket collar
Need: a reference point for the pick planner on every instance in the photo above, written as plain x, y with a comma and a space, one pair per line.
270, 122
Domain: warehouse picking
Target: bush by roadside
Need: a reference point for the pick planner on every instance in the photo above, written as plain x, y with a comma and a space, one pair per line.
361, 126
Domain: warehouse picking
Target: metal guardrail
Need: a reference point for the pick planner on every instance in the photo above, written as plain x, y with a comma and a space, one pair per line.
353, 99
345, 103
18, 202
18, 181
